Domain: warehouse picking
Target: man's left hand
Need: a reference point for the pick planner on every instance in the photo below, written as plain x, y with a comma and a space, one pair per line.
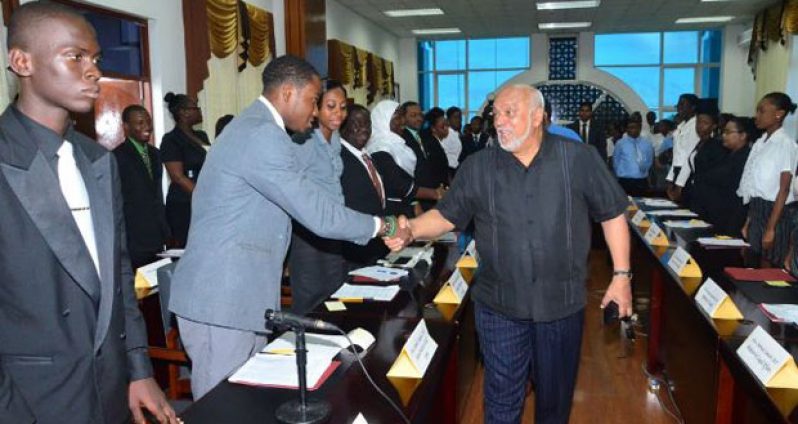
145, 394
619, 291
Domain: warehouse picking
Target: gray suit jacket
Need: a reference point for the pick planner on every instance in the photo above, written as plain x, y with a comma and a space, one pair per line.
249, 190
70, 340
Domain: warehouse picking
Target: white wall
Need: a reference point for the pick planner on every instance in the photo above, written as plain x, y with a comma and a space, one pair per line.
737, 87
351, 28
407, 69
791, 124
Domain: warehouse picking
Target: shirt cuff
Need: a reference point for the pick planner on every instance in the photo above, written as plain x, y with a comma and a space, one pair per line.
377, 225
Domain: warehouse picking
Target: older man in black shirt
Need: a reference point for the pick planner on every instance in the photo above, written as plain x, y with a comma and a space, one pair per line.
530, 201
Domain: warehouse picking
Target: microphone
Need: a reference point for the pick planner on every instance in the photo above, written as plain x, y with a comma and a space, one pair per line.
288, 319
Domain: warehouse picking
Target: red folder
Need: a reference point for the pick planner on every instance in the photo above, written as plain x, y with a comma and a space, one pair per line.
327, 373
763, 274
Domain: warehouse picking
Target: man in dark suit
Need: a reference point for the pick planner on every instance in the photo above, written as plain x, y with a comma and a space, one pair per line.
475, 140
140, 170
361, 183
73, 346
411, 112
590, 131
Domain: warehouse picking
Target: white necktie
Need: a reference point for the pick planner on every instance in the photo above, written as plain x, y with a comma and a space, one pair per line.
74, 190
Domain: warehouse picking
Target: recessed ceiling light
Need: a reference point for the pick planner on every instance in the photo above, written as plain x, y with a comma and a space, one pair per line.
436, 31
704, 19
413, 12
564, 25
557, 5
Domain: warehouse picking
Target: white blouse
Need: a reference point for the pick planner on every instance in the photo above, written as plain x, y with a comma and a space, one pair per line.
769, 158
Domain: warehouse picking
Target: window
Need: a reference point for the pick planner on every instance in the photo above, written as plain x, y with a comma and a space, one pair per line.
664, 64
463, 73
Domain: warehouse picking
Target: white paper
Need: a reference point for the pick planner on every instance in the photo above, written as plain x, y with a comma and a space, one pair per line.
359, 291
171, 253
321, 344
638, 217
279, 370
713, 241
150, 271
658, 203
420, 347
710, 296
763, 355
652, 233
674, 212
379, 273
687, 223
782, 312
678, 260
458, 284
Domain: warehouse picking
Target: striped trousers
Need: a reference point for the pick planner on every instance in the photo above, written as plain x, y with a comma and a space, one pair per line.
516, 351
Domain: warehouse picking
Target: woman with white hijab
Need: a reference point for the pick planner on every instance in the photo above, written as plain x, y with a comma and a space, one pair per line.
394, 161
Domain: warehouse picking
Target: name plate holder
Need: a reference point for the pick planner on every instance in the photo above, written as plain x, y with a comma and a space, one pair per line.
683, 264
656, 237
453, 291
640, 220
772, 365
469, 262
416, 354
632, 205
147, 276
716, 302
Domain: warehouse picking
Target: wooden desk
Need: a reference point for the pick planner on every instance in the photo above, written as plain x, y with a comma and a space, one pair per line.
348, 390
697, 353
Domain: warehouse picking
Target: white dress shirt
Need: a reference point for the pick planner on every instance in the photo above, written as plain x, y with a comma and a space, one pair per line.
452, 146
685, 139
359, 155
769, 158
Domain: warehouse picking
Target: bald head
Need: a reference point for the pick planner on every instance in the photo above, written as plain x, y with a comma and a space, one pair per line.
29, 20
518, 114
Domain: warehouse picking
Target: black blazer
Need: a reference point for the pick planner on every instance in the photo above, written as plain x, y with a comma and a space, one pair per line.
360, 195
145, 220
472, 144
596, 138
70, 340
715, 192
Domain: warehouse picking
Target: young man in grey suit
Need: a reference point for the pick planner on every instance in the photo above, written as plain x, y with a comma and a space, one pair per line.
242, 207
73, 347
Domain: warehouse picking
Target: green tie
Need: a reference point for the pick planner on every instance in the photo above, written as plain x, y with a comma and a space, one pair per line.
145, 156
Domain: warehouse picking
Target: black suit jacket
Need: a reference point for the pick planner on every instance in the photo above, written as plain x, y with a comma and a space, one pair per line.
472, 144
145, 220
360, 195
596, 137
70, 340
421, 154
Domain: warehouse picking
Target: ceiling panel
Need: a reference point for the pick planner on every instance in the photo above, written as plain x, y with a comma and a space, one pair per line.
494, 18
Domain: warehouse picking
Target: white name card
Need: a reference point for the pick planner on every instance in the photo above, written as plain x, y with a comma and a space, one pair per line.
454, 290
147, 276
768, 360
416, 354
471, 249
716, 302
638, 217
654, 232
678, 260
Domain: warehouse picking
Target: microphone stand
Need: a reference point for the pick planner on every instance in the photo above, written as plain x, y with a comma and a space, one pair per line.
302, 411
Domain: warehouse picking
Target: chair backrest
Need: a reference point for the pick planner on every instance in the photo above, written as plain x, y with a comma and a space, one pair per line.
164, 289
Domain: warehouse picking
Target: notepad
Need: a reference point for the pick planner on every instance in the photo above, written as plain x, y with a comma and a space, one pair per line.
661, 203
687, 223
322, 346
722, 242
376, 293
762, 274
780, 312
379, 273
674, 212
280, 371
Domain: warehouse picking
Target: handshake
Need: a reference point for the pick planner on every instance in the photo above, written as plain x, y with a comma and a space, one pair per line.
396, 232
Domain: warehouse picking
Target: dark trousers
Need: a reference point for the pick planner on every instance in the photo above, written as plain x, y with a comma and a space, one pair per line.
634, 186
317, 268
516, 351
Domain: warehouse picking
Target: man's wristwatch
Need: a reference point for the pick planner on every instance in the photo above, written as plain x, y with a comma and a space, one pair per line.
623, 272
389, 226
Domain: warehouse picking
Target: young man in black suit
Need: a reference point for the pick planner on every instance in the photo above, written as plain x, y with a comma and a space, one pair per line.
140, 170
475, 140
590, 131
73, 346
